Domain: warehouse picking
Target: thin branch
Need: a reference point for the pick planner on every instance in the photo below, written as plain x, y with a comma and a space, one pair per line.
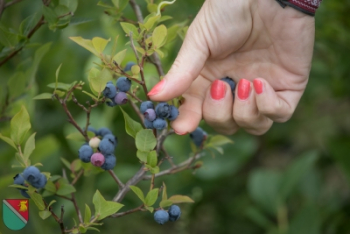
77, 177
134, 48
77, 209
134, 96
117, 215
58, 220
2, 6
137, 10
115, 177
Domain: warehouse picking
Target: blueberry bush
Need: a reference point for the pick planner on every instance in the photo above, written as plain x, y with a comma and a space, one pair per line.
81, 140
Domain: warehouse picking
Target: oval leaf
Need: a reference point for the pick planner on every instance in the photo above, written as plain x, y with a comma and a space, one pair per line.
145, 140
180, 199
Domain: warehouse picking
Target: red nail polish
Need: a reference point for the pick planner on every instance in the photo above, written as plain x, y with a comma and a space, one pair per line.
243, 89
218, 90
157, 88
258, 86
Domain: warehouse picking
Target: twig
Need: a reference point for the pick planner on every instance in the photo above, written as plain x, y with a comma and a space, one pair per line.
77, 208
117, 215
137, 10
134, 48
58, 220
152, 182
115, 177
180, 167
77, 177
134, 96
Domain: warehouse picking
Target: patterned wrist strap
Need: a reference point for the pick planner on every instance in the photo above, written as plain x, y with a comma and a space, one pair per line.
306, 6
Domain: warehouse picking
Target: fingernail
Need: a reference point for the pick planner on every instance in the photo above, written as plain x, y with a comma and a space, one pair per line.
258, 86
157, 88
243, 89
218, 90
180, 133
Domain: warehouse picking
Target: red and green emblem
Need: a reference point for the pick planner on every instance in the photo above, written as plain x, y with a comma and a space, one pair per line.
15, 213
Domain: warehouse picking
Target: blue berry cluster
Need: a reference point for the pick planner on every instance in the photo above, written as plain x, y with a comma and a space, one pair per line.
198, 136
231, 82
117, 94
100, 152
155, 117
162, 216
33, 176
128, 66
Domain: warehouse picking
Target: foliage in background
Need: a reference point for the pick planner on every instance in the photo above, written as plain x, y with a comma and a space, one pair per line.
294, 179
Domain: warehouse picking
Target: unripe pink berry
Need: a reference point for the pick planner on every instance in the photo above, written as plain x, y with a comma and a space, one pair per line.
94, 142
97, 159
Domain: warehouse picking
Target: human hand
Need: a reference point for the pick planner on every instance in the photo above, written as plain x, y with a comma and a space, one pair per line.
263, 47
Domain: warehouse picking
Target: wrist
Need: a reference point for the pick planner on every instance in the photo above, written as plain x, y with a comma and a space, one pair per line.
306, 6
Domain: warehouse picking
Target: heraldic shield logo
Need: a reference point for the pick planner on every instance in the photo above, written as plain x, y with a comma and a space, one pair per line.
15, 213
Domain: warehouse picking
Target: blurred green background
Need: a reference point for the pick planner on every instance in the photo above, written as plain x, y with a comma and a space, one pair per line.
294, 179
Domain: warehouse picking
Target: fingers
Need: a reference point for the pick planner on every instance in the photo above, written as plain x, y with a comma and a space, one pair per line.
187, 66
245, 111
191, 110
278, 106
217, 108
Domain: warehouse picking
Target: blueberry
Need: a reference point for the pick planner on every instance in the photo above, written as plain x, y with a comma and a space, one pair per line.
198, 136
159, 124
91, 129
85, 153
111, 138
128, 66
110, 161
111, 103
97, 159
110, 91
106, 147
150, 114
161, 216
148, 124
24, 193
163, 110
31, 174
121, 98
174, 113
123, 84
146, 105
41, 182
18, 179
174, 213
231, 82
103, 131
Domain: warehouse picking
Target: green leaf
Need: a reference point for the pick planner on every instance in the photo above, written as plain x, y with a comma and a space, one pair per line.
99, 44
142, 155
8, 39
159, 36
87, 44
92, 229
151, 197
149, 23
165, 203
75, 165
29, 147
64, 187
153, 170
258, 217
98, 79
138, 192
90, 95
164, 193
159, 52
87, 215
50, 15
218, 140
59, 85
150, 209
18, 186
65, 162
145, 140
28, 23
43, 96
51, 202
140, 49
172, 33
151, 7
20, 125
127, 27
82, 229
44, 214
180, 199
39, 54
119, 57
131, 126
152, 158
17, 84
50, 186
70, 4
8, 141
164, 18
37, 199
104, 208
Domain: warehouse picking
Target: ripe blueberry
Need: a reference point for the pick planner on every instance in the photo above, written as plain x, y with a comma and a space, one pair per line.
159, 123
103, 131
18, 179
111, 138
161, 216
91, 129
174, 213
41, 182
31, 174
174, 113
198, 136
121, 98
97, 159
123, 84
110, 91
231, 82
128, 66
163, 110
146, 105
110, 162
150, 114
106, 147
148, 124
85, 153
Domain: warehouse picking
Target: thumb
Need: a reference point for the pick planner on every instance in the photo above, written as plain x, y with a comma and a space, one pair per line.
187, 66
